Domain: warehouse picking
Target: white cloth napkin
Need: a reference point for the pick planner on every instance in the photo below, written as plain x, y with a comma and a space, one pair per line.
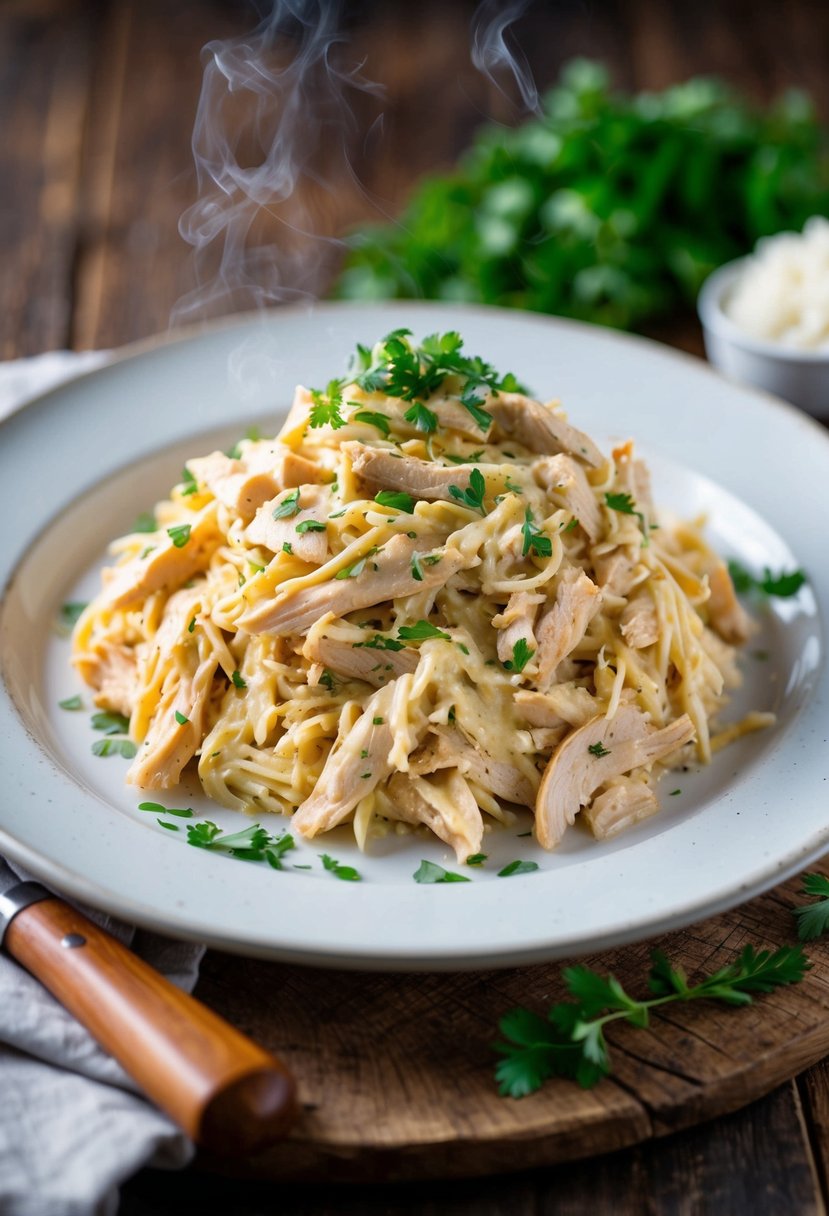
72, 1124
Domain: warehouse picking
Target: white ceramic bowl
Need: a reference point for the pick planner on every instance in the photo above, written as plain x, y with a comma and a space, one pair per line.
801, 377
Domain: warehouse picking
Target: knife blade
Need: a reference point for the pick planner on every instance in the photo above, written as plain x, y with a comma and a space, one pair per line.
226, 1092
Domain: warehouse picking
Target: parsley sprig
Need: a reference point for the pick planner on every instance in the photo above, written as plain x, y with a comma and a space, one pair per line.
570, 1040
782, 585
326, 409
624, 504
534, 539
813, 919
251, 844
473, 495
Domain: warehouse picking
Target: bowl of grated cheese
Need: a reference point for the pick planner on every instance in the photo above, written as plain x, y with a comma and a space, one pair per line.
765, 318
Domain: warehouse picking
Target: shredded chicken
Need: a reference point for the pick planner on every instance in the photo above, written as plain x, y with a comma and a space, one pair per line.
444, 804
567, 485
562, 626
624, 803
309, 544
539, 428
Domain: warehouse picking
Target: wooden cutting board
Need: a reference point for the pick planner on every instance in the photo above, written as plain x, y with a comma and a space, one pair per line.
396, 1071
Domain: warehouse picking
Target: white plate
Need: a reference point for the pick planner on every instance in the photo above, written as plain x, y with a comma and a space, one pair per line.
78, 465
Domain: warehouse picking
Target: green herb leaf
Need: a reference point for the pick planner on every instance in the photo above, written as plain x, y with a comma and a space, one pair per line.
517, 867
598, 749
813, 919
110, 723
429, 872
238, 681
420, 631
476, 859
327, 407
421, 418
473, 495
71, 703
189, 485
346, 873
416, 568
146, 522
379, 642
472, 402
179, 534
372, 418
782, 585
180, 718
287, 507
310, 525
156, 808
534, 539
110, 746
70, 613
521, 655
397, 499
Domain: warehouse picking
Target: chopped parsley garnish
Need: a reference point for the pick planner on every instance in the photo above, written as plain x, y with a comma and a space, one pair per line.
517, 867
782, 585
534, 539
110, 723
156, 808
513, 486
192, 625
346, 873
171, 827
521, 655
114, 747
574, 523
377, 721
326, 408
180, 718
624, 504
420, 631
416, 569
570, 1041
473, 495
396, 499
598, 749
288, 548
310, 525
327, 679
429, 872
355, 569
472, 402
476, 859
813, 919
253, 843
179, 535
70, 613
189, 485
379, 642
71, 703
422, 418
288, 507
373, 418
238, 681
145, 523
674, 793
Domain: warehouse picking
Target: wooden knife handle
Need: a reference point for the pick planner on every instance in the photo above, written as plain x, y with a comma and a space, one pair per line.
223, 1090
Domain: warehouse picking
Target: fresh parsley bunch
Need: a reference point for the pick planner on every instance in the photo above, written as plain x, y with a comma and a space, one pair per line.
606, 207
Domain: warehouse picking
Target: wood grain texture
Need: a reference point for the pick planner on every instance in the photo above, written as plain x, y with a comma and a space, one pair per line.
395, 1071
224, 1090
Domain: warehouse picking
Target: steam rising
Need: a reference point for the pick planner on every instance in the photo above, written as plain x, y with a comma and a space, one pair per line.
491, 53
272, 145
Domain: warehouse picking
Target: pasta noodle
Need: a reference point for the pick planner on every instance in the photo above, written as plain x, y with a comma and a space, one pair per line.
429, 599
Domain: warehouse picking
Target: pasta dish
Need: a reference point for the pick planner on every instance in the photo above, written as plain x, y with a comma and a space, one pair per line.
430, 599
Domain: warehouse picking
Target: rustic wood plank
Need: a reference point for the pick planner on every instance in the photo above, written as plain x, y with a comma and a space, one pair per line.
43, 99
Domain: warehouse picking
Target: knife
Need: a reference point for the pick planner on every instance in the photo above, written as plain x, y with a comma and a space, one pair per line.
227, 1093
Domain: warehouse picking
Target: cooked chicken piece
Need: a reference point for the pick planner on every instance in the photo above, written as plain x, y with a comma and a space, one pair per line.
639, 622
111, 670
623, 803
563, 703
243, 485
562, 626
568, 487
725, 612
615, 572
594, 754
309, 546
633, 478
451, 416
356, 764
386, 575
164, 565
357, 661
380, 469
447, 748
539, 428
173, 656
517, 621
445, 804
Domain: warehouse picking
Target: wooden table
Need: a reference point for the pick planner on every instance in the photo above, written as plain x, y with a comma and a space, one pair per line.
97, 100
